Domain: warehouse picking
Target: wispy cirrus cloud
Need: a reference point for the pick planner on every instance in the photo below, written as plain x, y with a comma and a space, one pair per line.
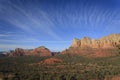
18, 40
51, 22
6, 47
88, 15
12, 38
28, 20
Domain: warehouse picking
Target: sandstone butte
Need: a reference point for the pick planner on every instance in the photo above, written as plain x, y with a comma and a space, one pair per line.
102, 47
40, 51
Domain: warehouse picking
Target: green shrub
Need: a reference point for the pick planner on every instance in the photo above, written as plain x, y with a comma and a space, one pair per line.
118, 49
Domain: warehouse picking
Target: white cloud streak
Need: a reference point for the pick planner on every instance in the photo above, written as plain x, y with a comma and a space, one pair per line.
55, 23
13, 46
18, 40
29, 21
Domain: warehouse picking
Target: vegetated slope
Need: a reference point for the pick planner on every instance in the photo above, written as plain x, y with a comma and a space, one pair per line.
66, 66
102, 47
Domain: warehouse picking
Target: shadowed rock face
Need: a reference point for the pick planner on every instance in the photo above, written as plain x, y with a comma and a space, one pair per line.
40, 51
2, 55
100, 47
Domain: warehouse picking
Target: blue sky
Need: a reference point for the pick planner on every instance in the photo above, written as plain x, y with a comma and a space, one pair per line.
54, 23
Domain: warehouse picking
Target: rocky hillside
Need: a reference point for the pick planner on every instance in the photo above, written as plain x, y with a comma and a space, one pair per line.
100, 47
40, 51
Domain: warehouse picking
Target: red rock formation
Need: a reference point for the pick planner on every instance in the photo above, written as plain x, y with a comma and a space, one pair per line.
100, 47
105, 42
40, 51
116, 78
17, 52
112, 78
51, 61
76, 43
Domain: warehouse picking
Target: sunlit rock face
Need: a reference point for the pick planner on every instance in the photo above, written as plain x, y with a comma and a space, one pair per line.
110, 41
106, 42
100, 47
86, 42
40, 51
76, 43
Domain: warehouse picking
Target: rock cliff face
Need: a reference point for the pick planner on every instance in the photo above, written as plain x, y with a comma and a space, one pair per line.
40, 51
100, 47
106, 42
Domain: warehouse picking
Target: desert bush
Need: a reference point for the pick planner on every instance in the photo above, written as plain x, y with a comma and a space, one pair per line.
118, 49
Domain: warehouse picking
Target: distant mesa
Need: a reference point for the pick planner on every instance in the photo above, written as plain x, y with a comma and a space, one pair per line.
100, 47
40, 51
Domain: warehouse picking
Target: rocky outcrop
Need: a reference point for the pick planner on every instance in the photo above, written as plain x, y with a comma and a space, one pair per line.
40, 51
17, 52
106, 42
51, 61
76, 43
100, 47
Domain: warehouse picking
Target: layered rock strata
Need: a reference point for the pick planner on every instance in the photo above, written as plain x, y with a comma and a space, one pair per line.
106, 42
100, 47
